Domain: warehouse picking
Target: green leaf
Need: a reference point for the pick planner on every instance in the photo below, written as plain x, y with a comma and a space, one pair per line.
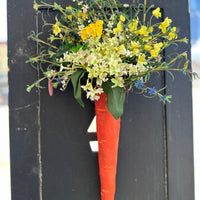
185, 65
168, 98
55, 84
28, 89
76, 49
76, 82
115, 99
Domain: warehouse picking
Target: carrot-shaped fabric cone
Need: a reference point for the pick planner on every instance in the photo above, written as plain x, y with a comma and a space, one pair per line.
108, 138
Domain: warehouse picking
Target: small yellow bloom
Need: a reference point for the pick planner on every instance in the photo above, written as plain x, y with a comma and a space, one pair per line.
147, 47
165, 24
83, 34
93, 29
133, 26
56, 28
141, 59
157, 13
122, 18
134, 45
154, 53
146, 39
84, 16
119, 28
143, 31
68, 8
120, 47
172, 36
158, 46
116, 30
99, 23
150, 29
173, 29
69, 17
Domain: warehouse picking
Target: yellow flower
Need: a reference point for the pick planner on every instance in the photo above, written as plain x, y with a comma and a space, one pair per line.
99, 27
143, 31
69, 17
158, 46
157, 13
141, 59
93, 29
146, 39
84, 16
68, 8
83, 34
173, 29
99, 23
122, 18
133, 26
119, 28
120, 47
154, 53
56, 28
165, 24
134, 45
147, 47
90, 30
150, 29
172, 34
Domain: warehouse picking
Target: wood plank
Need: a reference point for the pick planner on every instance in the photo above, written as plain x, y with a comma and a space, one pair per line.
23, 106
179, 114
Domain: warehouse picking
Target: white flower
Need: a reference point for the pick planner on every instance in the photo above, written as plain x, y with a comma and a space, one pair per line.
94, 94
85, 8
126, 5
79, 3
128, 53
81, 27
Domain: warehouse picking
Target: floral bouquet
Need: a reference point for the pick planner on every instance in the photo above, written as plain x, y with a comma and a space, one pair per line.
106, 49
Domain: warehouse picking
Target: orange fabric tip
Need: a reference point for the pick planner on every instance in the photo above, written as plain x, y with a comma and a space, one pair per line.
108, 138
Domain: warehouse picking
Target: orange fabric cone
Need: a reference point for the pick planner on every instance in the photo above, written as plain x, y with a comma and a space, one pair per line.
108, 138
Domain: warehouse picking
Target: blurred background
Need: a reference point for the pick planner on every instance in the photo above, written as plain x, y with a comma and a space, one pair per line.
4, 130
195, 39
4, 124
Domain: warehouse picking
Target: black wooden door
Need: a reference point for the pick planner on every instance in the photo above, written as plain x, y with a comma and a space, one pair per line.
50, 154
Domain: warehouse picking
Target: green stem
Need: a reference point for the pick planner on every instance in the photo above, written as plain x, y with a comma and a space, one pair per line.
43, 42
144, 16
116, 5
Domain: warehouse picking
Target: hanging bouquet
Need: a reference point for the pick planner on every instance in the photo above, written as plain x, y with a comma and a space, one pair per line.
107, 49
